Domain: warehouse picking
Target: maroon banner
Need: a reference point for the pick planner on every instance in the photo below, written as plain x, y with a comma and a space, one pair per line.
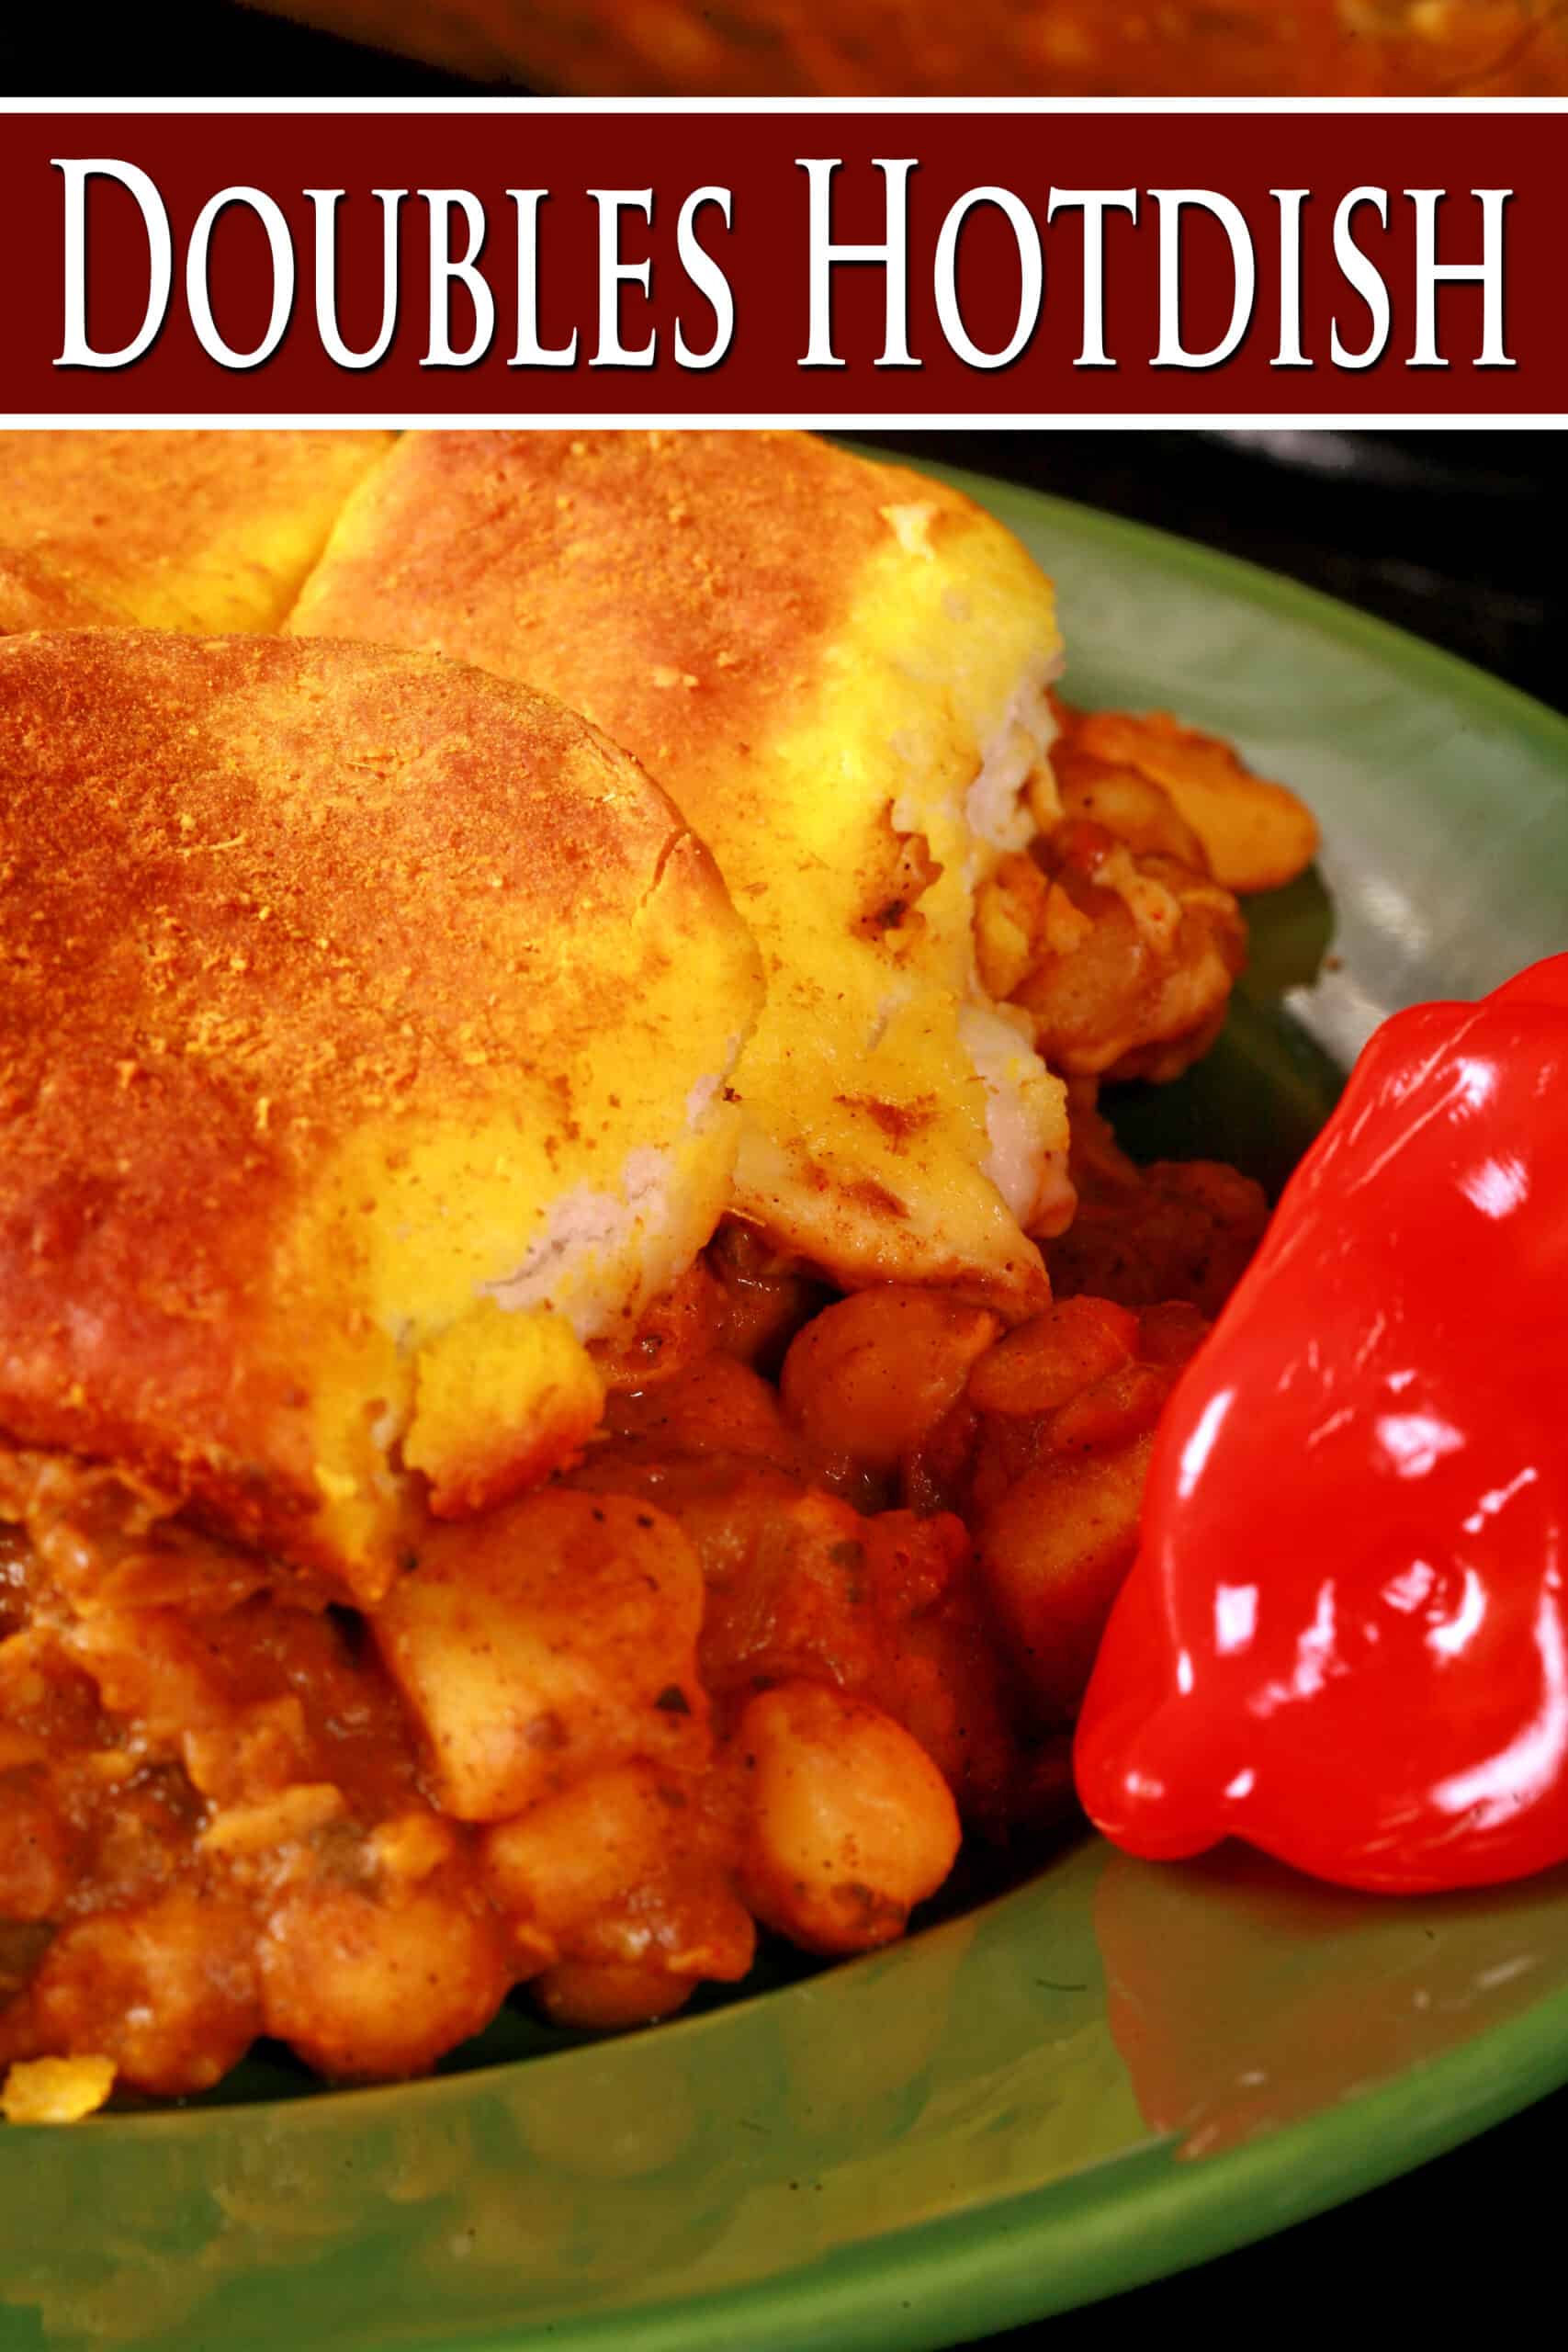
811, 262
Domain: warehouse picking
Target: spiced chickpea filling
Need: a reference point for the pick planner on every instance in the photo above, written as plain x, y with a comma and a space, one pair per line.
756, 1662
577, 1357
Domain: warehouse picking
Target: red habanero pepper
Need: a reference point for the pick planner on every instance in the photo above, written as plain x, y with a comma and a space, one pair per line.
1346, 1636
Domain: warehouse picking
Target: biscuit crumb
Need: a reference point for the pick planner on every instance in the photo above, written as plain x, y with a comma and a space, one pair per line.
55, 2091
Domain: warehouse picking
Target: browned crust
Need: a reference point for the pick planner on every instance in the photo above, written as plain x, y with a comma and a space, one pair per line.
253, 895
705, 597
36, 593
181, 527
689, 644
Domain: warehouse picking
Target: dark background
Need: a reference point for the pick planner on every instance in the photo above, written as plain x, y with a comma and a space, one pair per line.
1457, 537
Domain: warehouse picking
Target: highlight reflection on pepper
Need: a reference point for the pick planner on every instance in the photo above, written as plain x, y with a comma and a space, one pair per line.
1346, 1639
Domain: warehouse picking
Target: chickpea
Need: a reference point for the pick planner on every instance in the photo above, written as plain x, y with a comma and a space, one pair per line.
1124, 1405
873, 1376
1171, 1333
939, 1473
35, 1875
715, 1406
623, 1867
367, 1989
1049, 1358
604, 1994
912, 1560
1078, 1381
849, 1822
166, 1990
722, 1503
1053, 1551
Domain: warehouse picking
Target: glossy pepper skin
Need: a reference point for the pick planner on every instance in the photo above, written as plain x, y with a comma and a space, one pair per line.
1346, 1636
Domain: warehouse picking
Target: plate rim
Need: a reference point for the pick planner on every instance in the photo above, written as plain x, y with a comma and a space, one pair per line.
1187, 2216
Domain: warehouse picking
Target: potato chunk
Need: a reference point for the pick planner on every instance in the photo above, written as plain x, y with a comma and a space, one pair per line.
546, 1640
1132, 967
1258, 834
1054, 1551
873, 1376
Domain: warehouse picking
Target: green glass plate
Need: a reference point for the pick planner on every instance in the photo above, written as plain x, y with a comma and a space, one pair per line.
1114, 2070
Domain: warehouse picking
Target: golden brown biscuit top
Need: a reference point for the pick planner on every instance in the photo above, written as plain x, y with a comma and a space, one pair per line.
723, 565
320, 967
35, 592
286, 861
835, 666
176, 528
